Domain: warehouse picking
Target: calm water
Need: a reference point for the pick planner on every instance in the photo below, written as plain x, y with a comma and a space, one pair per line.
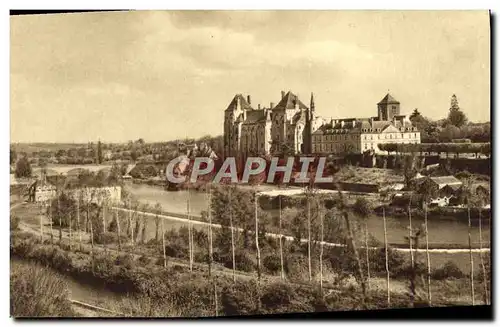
440, 231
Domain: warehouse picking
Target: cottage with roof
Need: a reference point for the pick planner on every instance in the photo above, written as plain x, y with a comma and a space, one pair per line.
364, 134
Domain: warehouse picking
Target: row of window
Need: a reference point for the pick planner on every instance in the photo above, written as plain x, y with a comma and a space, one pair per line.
331, 147
389, 136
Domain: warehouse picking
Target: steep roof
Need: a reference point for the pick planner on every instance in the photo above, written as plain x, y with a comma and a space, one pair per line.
388, 99
299, 117
254, 116
442, 181
288, 102
244, 104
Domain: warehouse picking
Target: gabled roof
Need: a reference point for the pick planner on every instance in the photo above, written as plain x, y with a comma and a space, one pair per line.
388, 99
244, 104
288, 102
254, 116
446, 180
299, 117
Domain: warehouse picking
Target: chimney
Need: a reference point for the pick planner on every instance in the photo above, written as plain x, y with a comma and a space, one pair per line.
371, 121
249, 99
258, 106
282, 94
271, 105
296, 103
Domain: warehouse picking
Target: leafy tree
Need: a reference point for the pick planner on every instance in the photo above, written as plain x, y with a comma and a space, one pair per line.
13, 156
415, 114
134, 155
23, 167
99, 152
456, 117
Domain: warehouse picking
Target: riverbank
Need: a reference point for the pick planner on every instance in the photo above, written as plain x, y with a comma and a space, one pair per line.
191, 294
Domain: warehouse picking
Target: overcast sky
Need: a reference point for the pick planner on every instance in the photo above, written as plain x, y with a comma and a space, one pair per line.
162, 75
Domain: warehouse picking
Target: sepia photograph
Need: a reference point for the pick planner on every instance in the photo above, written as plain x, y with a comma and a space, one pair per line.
250, 163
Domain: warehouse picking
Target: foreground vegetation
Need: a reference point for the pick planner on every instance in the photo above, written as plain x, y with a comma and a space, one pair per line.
37, 291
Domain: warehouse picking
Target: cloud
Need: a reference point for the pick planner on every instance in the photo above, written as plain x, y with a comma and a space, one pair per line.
186, 66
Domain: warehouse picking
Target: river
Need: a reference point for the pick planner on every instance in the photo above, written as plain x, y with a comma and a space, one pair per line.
446, 231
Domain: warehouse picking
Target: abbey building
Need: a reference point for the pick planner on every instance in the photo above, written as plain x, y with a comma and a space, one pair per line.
291, 127
282, 128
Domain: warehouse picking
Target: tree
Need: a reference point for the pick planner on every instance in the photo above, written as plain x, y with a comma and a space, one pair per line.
13, 156
352, 243
99, 152
415, 114
23, 167
157, 210
363, 209
456, 117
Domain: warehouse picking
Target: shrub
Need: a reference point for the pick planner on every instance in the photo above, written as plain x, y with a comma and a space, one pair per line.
243, 261
37, 292
125, 260
449, 270
14, 222
106, 238
176, 250
272, 263
145, 260
239, 298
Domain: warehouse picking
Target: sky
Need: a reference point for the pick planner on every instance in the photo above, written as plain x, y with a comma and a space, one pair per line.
163, 75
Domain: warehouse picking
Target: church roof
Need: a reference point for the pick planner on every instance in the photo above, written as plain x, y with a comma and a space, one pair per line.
254, 116
299, 117
244, 104
288, 102
388, 99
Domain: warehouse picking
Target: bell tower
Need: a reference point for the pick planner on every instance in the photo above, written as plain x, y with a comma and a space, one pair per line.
388, 107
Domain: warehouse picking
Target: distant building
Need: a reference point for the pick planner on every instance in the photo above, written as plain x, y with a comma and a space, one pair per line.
358, 135
443, 181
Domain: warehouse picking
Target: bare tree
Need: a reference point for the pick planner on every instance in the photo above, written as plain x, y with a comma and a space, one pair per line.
232, 233
352, 243
321, 254
157, 210
163, 245
117, 217
384, 196
210, 236
363, 209
281, 239
190, 231
309, 236
256, 199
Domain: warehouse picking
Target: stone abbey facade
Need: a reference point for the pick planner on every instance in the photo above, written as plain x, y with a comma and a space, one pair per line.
291, 127
283, 128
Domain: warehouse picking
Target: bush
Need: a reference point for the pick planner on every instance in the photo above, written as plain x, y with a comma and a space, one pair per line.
243, 261
176, 250
14, 222
145, 260
449, 270
106, 238
272, 263
37, 292
239, 298
125, 260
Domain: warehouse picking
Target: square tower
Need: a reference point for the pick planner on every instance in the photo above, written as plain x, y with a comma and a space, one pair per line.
388, 107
